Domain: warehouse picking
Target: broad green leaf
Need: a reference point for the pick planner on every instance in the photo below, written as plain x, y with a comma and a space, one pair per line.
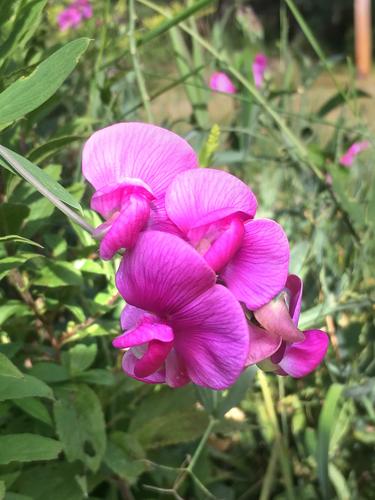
79, 358
27, 448
97, 376
16, 496
80, 425
123, 456
8, 369
8, 263
38, 177
31, 91
28, 18
35, 409
2, 490
327, 422
51, 481
25, 387
49, 372
12, 308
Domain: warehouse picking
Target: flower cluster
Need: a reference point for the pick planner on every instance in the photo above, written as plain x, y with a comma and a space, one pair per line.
74, 14
205, 282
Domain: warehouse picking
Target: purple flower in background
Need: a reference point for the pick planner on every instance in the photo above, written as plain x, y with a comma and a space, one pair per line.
260, 65
221, 82
277, 344
181, 326
214, 211
73, 15
348, 158
130, 166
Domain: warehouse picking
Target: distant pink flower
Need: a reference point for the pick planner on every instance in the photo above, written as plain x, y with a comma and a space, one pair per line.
260, 65
221, 82
72, 16
214, 211
348, 158
277, 344
181, 326
130, 166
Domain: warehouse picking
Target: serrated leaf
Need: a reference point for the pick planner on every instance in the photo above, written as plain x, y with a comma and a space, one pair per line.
27, 448
25, 387
30, 92
80, 425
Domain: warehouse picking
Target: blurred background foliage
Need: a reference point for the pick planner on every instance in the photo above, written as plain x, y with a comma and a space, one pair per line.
72, 425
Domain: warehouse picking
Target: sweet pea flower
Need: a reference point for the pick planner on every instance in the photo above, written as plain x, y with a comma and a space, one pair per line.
277, 344
130, 165
348, 158
260, 65
72, 16
214, 211
221, 82
181, 326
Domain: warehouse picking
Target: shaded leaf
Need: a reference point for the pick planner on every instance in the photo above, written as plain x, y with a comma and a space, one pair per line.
27, 448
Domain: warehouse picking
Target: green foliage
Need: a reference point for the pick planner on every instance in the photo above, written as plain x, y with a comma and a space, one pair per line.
72, 425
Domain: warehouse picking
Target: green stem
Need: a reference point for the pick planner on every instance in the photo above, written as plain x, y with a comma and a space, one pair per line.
136, 64
282, 450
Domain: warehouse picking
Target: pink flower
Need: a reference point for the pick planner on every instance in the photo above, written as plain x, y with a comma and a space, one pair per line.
72, 16
348, 158
130, 166
277, 344
221, 82
214, 211
181, 326
260, 65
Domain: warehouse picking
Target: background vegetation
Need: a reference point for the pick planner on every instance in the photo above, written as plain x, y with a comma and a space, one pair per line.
72, 425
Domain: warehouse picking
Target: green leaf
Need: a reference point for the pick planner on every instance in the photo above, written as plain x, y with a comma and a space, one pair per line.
30, 92
97, 376
2, 490
14, 238
49, 372
35, 409
235, 394
27, 448
36, 176
339, 100
8, 369
25, 387
327, 422
339, 482
12, 216
79, 358
24, 26
80, 425
57, 274
9, 263
46, 150
123, 456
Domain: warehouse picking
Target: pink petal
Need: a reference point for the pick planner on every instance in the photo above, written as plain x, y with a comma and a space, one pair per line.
128, 365
146, 331
131, 316
137, 150
125, 228
162, 273
221, 82
294, 285
275, 318
212, 339
302, 358
259, 270
195, 195
262, 344
347, 160
175, 371
260, 65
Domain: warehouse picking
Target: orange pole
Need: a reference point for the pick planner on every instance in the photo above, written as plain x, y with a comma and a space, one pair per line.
362, 28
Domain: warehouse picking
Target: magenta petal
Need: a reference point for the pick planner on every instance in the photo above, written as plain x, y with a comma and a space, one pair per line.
259, 269
212, 338
137, 150
221, 82
125, 228
194, 194
301, 358
175, 371
153, 358
262, 344
131, 316
275, 318
294, 286
128, 365
162, 273
147, 331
